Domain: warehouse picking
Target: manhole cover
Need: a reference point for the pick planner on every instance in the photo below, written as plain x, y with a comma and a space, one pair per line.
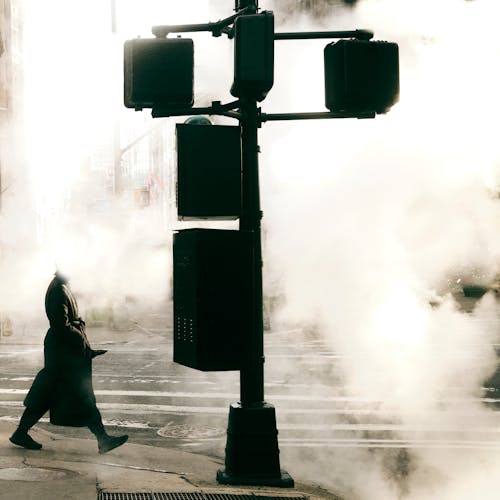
32, 474
182, 431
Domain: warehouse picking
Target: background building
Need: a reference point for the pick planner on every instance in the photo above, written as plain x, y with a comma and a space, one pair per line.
11, 85
11, 79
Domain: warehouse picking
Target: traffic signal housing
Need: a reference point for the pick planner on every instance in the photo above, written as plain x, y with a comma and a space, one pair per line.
361, 76
253, 55
208, 171
212, 283
158, 72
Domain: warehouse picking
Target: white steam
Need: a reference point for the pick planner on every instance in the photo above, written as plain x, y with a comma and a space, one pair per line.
59, 208
367, 221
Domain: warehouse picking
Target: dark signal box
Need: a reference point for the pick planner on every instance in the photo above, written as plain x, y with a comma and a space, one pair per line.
212, 284
361, 75
208, 172
158, 72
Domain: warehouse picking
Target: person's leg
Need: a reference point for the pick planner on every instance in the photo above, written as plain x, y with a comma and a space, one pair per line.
95, 424
28, 419
105, 442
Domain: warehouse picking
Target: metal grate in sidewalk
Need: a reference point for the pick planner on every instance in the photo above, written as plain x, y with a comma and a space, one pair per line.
105, 495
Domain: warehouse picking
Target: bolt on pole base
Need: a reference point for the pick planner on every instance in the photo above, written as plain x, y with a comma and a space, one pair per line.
252, 453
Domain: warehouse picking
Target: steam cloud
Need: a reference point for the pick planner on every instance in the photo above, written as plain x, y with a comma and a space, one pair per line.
57, 210
368, 223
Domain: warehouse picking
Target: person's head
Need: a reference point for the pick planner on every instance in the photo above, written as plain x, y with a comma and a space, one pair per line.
61, 276
63, 269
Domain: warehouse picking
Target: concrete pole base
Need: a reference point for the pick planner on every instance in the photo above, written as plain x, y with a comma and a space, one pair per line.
252, 453
284, 480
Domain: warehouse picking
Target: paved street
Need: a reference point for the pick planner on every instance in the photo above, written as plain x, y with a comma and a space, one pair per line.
141, 391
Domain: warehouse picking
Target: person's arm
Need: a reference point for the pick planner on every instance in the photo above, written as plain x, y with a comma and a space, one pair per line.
98, 352
59, 321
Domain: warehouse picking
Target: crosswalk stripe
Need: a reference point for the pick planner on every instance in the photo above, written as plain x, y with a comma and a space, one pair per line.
134, 408
369, 443
227, 395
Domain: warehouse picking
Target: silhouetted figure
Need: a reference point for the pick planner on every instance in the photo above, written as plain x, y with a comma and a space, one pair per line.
64, 385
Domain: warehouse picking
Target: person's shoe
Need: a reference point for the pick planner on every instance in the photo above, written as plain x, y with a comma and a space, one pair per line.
111, 442
25, 440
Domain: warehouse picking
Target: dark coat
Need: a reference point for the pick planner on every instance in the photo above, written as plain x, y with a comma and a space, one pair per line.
65, 384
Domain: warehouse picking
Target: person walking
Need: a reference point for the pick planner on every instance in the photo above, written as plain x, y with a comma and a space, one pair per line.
64, 385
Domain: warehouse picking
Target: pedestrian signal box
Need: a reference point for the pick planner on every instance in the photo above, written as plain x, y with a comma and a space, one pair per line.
158, 72
212, 306
208, 171
253, 55
361, 75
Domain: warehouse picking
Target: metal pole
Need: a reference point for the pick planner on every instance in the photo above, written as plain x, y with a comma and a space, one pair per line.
252, 452
117, 153
309, 35
113, 16
241, 4
315, 116
252, 372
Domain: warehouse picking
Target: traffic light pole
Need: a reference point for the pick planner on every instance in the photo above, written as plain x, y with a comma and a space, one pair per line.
243, 4
252, 372
252, 453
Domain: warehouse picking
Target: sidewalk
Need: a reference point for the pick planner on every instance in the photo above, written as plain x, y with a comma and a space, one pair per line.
148, 330
72, 469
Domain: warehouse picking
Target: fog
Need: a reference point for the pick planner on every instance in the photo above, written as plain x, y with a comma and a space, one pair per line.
367, 222
62, 205
60, 209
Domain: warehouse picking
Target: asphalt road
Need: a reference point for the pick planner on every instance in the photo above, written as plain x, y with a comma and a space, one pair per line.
139, 389
142, 392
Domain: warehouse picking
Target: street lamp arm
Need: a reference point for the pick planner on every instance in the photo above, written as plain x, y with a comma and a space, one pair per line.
314, 116
167, 112
229, 31
215, 109
231, 114
229, 110
216, 28
308, 35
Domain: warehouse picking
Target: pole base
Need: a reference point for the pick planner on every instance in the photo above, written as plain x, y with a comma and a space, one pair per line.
283, 480
252, 453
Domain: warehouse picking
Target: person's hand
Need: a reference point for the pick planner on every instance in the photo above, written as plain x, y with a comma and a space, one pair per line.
98, 352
